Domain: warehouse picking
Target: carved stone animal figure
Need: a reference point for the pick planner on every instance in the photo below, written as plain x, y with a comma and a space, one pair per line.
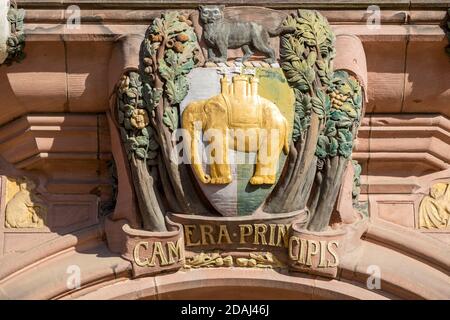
221, 35
25, 209
5, 30
257, 125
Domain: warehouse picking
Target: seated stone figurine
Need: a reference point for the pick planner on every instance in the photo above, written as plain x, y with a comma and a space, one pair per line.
25, 209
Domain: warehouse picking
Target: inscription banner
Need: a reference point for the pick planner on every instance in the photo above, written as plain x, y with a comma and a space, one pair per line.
259, 241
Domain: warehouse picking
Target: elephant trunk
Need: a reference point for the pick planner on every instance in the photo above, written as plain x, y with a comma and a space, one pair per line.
193, 122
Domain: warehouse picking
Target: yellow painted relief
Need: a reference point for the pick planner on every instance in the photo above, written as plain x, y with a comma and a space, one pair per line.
256, 124
24, 209
434, 210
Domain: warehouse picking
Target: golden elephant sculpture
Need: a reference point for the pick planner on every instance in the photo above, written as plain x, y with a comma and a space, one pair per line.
238, 119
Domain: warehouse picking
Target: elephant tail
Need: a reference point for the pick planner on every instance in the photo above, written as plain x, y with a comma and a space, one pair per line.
286, 138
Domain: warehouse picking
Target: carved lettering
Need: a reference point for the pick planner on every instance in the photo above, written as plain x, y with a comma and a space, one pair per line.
206, 232
175, 251
188, 233
332, 251
244, 234
283, 235
223, 233
136, 254
260, 234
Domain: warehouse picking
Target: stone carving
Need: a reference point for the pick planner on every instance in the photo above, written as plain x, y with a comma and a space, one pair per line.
221, 35
215, 259
24, 208
260, 260
12, 35
147, 114
5, 30
434, 210
238, 107
325, 117
209, 260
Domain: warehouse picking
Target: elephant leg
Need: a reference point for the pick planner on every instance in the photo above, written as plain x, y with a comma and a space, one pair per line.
265, 173
220, 169
267, 159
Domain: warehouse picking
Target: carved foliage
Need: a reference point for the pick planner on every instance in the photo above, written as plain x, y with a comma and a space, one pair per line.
133, 117
16, 41
307, 54
264, 260
147, 113
334, 146
209, 260
306, 57
327, 115
169, 50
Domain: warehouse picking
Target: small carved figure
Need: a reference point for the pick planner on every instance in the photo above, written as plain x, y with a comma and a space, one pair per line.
238, 107
221, 35
434, 210
5, 30
25, 209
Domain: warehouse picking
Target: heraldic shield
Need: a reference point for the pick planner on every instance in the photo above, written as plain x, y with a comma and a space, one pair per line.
237, 123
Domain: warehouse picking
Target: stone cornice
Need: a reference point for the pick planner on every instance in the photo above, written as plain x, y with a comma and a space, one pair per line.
316, 4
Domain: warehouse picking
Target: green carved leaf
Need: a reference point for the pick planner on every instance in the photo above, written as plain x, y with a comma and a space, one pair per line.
349, 109
171, 58
166, 72
170, 118
142, 141
177, 90
321, 149
185, 68
344, 135
140, 153
312, 57
332, 147
330, 128
321, 103
132, 144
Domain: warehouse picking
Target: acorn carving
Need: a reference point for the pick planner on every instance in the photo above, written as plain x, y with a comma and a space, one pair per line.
178, 47
148, 61
148, 70
156, 37
170, 43
182, 37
